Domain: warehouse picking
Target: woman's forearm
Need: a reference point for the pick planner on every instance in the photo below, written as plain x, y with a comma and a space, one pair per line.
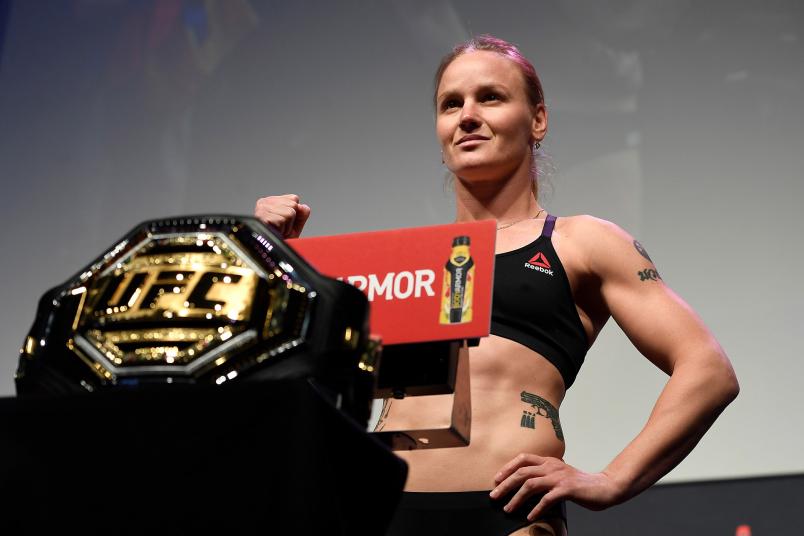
697, 392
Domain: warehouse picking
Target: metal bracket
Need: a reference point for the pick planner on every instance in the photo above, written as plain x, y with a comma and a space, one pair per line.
458, 432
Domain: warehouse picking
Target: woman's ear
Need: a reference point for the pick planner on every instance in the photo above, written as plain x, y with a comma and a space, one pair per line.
538, 129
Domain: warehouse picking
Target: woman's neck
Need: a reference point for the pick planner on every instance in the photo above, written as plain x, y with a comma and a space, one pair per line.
503, 200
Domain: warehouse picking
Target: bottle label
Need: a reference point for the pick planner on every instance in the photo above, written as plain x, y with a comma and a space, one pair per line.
459, 271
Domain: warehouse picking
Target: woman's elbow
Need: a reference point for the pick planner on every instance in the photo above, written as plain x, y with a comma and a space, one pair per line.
713, 375
733, 386
726, 379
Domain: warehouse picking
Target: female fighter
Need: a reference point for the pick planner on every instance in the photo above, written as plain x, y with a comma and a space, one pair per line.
557, 282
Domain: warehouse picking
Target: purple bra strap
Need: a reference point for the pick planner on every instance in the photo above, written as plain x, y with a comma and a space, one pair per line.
549, 224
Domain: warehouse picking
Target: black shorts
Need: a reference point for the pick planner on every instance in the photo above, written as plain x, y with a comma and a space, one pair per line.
462, 513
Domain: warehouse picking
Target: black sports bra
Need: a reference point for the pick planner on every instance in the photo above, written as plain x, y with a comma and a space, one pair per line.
533, 305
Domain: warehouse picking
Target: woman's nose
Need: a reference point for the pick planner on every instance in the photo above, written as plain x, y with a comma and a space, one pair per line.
469, 119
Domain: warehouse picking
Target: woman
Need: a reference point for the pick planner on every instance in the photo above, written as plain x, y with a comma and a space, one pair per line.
557, 282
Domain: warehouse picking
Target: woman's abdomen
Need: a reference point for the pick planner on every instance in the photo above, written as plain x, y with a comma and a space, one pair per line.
515, 398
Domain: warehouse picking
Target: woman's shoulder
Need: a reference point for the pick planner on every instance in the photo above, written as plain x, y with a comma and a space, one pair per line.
604, 249
595, 241
584, 227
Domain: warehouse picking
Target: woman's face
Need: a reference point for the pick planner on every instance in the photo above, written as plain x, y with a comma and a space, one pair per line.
484, 120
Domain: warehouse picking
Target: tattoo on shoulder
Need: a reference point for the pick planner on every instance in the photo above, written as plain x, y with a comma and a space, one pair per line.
649, 274
641, 250
542, 408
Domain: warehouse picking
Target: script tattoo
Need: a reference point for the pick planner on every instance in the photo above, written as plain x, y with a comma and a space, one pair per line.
648, 274
641, 250
542, 408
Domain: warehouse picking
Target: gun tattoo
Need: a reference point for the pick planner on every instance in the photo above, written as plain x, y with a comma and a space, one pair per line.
542, 408
386, 407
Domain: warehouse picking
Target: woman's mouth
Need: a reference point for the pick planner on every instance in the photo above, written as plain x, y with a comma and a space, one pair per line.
471, 138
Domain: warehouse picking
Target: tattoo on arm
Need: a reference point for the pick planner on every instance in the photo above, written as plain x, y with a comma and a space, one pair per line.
649, 274
641, 250
542, 408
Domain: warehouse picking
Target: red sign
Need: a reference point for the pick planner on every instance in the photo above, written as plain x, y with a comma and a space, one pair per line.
424, 284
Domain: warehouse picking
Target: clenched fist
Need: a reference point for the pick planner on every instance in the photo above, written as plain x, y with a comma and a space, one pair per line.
284, 213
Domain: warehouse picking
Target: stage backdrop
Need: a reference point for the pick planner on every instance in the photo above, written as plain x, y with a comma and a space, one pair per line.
680, 121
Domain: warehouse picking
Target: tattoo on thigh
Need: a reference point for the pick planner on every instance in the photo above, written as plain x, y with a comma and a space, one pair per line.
641, 250
542, 408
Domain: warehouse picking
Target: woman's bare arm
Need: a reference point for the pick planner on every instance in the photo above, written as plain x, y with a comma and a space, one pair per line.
669, 333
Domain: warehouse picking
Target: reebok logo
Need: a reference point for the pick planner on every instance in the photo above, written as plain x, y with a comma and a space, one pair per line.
540, 260
539, 263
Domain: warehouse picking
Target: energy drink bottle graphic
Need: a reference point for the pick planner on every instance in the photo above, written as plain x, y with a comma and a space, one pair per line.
459, 276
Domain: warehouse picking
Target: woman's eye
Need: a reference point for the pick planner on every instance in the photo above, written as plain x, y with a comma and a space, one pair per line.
491, 97
450, 103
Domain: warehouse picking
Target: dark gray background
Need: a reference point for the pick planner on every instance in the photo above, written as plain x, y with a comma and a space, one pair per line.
680, 121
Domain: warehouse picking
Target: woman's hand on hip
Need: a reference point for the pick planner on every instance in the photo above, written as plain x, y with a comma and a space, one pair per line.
529, 474
284, 213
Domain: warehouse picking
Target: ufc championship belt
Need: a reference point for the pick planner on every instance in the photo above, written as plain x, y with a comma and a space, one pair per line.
200, 300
